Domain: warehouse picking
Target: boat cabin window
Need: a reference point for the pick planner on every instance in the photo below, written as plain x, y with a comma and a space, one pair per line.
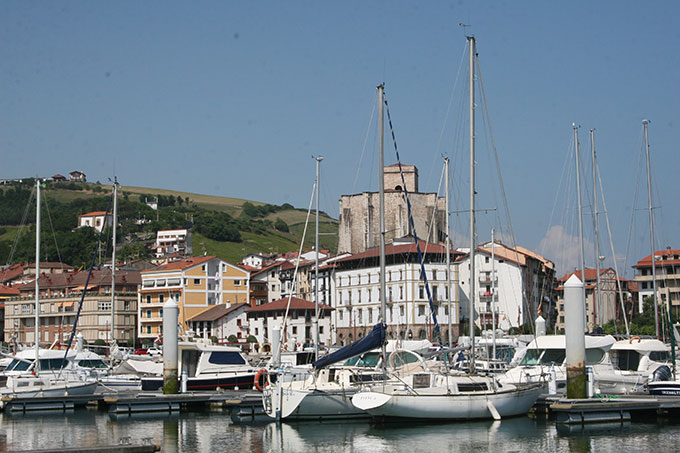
594, 356
626, 360
659, 356
369, 359
472, 387
18, 365
92, 363
52, 364
403, 357
543, 357
226, 358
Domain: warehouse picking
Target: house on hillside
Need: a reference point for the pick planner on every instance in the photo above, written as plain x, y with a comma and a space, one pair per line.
77, 176
95, 220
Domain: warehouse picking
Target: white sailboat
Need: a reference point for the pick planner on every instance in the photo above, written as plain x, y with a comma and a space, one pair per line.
326, 391
444, 394
44, 374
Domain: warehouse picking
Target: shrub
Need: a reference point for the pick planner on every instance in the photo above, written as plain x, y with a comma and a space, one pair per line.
251, 339
232, 339
213, 339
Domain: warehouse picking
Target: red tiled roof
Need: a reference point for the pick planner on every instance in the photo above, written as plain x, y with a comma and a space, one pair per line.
267, 268
216, 312
101, 278
8, 291
94, 214
281, 304
12, 272
399, 249
667, 257
591, 274
181, 264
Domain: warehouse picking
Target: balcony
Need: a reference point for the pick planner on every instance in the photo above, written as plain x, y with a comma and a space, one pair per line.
485, 295
487, 279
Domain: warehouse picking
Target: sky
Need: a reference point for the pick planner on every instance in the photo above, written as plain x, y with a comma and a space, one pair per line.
235, 98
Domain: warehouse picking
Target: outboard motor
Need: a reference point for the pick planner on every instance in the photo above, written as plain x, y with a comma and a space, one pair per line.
663, 373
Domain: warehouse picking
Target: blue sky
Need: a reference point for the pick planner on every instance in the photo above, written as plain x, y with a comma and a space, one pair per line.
234, 98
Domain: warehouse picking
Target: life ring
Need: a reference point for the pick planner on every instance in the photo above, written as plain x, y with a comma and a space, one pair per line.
635, 338
259, 374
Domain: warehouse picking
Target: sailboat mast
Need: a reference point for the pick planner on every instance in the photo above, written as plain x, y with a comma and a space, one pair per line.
493, 291
113, 258
471, 40
36, 366
381, 196
651, 228
316, 263
580, 215
448, 252
598, 320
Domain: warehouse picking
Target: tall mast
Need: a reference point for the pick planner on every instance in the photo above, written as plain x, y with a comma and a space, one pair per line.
580, 216
598, 319
471, 39
493, 291
448, 253
381, 179
113, 258
316, 261
651, 228
36, 366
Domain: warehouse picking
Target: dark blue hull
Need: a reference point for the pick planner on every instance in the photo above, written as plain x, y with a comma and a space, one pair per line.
202, 384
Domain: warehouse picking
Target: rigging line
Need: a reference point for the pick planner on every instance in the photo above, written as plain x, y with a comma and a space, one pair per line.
363, 149
21, 229
513, 245
54, 236
413, 227
297, 263
87, 281
635, 201
611, 245
562, 181
448, 107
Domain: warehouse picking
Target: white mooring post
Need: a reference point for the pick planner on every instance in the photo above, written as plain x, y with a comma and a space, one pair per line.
574, 329
170, 338
276, 346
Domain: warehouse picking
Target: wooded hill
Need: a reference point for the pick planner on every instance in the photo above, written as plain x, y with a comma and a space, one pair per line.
226, 227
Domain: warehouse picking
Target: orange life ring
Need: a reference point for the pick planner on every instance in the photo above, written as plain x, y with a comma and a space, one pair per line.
634, 338
257, 379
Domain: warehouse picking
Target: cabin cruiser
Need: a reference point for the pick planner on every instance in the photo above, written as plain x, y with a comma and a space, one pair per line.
55, 376
618, 367
208, 367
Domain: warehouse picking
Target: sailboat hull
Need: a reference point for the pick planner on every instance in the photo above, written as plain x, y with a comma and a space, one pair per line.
462, 406
312, 404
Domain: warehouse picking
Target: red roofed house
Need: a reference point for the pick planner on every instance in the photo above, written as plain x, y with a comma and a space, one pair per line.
221, 321
667, 267
299, 325
601, 306
194, 283
77, 176
94, 220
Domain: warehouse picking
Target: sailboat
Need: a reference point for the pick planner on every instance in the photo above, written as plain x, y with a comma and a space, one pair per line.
432, 393
44, 374
326, 391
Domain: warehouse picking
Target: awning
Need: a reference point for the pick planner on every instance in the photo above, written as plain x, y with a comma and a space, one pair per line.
148, 283
174, 281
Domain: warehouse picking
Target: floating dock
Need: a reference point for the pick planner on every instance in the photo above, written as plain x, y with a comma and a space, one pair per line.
606, 409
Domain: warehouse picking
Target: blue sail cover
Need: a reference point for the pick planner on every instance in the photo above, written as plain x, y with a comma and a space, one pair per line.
373, 340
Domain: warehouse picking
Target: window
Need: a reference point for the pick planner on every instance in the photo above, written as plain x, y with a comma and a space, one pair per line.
421, 292
148, 329
340, 315
401, 310
148, 313
148, 299
161, 298
226, 358
421, 310
237, 282
104, 305
197, 281
370, 316
320, 329
294, 330
486, 259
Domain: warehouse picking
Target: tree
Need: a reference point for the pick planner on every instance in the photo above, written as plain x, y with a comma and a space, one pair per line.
281, 225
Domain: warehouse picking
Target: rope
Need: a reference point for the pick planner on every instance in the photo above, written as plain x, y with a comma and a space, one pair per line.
437, 333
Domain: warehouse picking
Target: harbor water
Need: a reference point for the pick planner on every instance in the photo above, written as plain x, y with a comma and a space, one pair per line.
215, 431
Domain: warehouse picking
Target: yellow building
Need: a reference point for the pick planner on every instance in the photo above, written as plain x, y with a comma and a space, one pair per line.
195, 284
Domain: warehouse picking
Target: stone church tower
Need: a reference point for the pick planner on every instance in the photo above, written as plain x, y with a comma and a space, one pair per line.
360, 216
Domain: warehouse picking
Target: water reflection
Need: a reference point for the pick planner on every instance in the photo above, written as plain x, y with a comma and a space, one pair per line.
209, 432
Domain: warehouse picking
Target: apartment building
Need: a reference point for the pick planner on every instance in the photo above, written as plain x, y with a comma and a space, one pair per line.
667, 268
195, 284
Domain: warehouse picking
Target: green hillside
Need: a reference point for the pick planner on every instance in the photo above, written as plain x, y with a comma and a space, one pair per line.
227, 227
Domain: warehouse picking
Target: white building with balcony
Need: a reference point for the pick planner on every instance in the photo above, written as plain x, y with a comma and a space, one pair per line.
170, 242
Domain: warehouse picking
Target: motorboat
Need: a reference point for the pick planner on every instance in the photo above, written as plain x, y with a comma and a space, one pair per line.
208, 367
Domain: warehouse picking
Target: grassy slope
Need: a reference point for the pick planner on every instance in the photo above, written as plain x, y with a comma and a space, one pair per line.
273, 241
